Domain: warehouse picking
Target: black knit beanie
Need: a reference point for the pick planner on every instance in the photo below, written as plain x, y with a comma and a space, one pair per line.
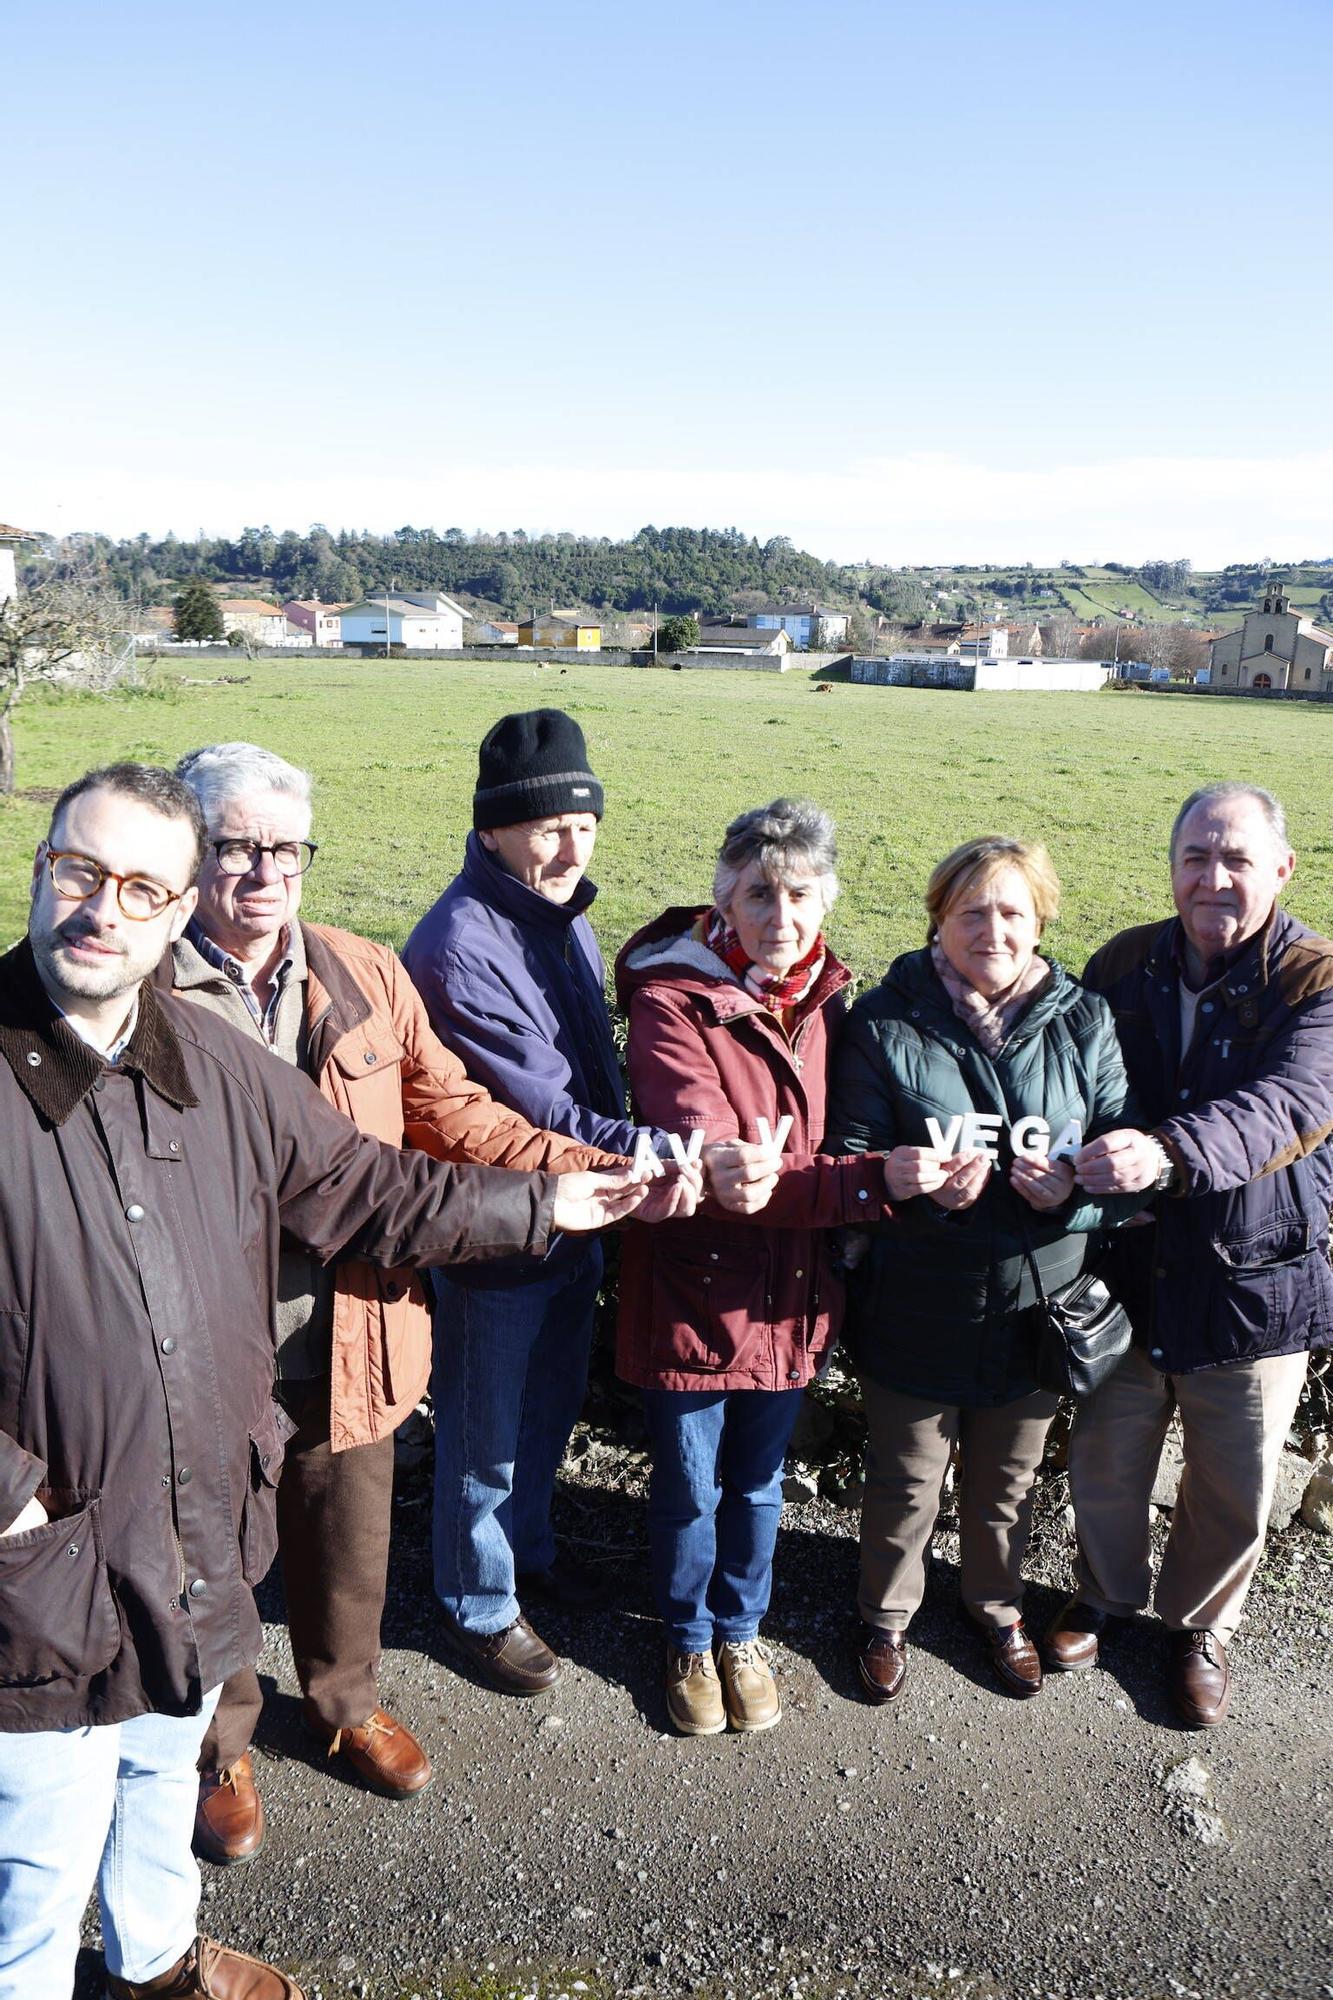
533, 766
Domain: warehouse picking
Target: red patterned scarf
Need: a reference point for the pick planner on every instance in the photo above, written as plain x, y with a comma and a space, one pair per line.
776, 991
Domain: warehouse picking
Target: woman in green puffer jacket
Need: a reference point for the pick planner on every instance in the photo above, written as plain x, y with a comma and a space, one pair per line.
977, 1022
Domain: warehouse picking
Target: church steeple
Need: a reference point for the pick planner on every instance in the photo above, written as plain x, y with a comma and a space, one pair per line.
1275, 600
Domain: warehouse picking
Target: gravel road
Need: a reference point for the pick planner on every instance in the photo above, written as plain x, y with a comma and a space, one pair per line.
962, 1843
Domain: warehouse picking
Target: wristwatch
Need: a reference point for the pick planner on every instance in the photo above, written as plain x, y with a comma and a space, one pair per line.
1166, 1172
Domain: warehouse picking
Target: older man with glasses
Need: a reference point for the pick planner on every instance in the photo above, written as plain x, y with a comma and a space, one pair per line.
353, 1343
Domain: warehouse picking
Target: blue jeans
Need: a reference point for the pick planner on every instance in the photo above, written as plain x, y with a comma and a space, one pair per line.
112, 1805
714, 1501
510, 1370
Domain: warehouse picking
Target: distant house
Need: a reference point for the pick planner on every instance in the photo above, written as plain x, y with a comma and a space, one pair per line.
977, 642
495, 632
1274, 648
419, 623
807, 625
11, 539
323, 622
263, 623
155, 623
744, 639
563, 629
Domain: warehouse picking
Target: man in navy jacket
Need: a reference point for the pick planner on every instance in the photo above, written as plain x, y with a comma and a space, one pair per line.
1225, 1015
509, 970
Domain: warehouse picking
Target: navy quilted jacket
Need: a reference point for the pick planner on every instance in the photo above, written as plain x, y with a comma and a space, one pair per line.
1236, 1266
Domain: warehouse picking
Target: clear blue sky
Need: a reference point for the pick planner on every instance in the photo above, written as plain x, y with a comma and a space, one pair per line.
970, 281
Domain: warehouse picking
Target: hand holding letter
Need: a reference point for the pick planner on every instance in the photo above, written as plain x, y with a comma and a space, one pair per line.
741, 1175
1123, 1162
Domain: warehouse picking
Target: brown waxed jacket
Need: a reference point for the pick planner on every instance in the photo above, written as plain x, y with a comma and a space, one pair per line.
140, 1212
374, 1054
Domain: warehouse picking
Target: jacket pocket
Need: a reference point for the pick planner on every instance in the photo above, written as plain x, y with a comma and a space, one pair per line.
259, 1516
1278, 1239
58, 1619
710, 1309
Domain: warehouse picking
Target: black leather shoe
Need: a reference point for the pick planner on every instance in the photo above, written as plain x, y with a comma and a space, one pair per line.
568, 1584
515, 1660
881, 1661
1199, 1679
1014, 1657
1073, 1637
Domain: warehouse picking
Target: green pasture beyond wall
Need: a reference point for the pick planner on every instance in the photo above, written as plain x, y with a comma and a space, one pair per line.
907, 773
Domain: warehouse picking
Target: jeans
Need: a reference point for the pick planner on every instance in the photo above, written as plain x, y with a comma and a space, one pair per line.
714, 1502
112, 1805
509, 1374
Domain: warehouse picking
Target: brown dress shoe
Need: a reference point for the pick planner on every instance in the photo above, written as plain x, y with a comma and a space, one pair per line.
569, 1584
1072, 1637
384, 1754
229, 1818
515, 1660
209, 1971
881, 1661
1199, 1679
1014, 1657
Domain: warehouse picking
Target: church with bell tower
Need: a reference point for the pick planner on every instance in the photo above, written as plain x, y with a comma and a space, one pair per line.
1275, 648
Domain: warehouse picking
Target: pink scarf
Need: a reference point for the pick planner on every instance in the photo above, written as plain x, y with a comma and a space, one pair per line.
991, 1020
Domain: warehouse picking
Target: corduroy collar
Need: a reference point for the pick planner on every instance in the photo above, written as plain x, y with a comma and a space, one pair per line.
55, 1068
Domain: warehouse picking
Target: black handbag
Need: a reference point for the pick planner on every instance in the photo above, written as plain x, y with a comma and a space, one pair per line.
1082, 1333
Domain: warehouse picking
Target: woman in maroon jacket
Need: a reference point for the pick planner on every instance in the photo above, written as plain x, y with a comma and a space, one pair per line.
725, 1318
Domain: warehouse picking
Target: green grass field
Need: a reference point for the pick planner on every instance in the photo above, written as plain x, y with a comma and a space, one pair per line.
907, 773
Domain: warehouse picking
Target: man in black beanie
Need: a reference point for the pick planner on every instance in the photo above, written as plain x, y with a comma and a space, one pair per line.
509, 970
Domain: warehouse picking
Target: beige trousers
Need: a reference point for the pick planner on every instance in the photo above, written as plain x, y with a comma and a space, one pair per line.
911, 1443
1235, 1421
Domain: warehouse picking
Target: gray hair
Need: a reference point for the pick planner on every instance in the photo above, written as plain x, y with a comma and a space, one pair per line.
787, 838
221, 772
1235, 788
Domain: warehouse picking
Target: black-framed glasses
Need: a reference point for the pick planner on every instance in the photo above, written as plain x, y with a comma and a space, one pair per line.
242, 857
79, 877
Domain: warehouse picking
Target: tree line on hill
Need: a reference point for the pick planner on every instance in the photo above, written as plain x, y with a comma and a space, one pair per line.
673, 569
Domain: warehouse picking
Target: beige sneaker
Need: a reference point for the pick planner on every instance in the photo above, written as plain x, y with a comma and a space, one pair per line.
694, 1695
748, 1687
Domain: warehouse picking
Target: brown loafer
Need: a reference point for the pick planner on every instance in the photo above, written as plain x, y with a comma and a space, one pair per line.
209, 1971
229, 1818
1072, 1637
382, 1751
515, 1660
881, 1661
1199, 1679
1014, 1657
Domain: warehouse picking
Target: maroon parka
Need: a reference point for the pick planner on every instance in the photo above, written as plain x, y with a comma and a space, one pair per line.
724, 1301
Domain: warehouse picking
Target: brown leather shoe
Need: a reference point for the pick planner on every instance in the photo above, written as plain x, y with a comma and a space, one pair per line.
881, 1661
1014, 1657
568, 1583
1199, 1679
209, 1971
1072, 1637
382, 1751
229, 1818
515, 1660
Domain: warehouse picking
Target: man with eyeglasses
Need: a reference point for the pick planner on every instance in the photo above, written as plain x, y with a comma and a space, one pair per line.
152, 1158
354, 1345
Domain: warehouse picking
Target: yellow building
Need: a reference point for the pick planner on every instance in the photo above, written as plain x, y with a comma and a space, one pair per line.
564, 629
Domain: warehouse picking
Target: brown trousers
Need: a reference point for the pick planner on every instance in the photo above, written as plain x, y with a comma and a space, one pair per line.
333, 1543
1234, 1421
911, 1443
